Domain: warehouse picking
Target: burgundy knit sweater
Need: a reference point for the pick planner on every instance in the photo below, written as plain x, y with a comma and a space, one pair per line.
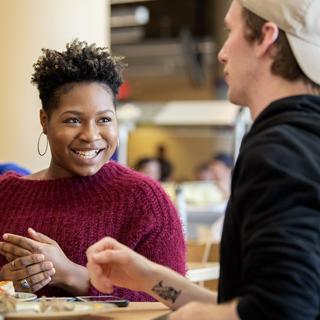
78, 211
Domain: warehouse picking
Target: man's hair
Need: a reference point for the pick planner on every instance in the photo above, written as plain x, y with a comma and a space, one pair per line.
285, 64
57, 72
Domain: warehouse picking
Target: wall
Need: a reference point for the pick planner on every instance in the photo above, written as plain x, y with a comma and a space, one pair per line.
26, 26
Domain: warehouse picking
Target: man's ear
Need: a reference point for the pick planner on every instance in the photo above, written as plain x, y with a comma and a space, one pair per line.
44, 121
269, 35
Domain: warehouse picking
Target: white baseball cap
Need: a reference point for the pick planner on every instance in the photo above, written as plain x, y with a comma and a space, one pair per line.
300, 20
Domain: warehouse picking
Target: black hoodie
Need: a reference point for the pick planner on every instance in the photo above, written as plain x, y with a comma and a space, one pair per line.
270, 248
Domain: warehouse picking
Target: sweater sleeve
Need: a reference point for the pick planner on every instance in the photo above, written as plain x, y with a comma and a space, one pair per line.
277, 201
164, 241
160, 232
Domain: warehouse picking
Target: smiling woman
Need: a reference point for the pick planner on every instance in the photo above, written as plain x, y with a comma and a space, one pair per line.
82, 132
52, 216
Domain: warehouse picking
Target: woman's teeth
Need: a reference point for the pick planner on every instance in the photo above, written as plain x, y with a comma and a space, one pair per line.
87, 154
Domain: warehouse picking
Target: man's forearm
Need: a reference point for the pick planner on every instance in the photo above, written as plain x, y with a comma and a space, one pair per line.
174, 290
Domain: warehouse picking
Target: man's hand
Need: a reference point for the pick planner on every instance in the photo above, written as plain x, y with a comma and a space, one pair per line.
112, 263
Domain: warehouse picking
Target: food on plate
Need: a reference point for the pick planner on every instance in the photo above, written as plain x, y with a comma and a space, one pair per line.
8, 287
7, 302
55, 305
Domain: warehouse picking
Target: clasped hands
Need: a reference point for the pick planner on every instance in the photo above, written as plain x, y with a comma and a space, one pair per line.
38, 259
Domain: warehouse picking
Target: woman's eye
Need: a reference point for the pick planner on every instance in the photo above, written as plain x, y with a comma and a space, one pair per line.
104, 120
72, 120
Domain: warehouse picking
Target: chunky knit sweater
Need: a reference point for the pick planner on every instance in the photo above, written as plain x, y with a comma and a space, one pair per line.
78, 211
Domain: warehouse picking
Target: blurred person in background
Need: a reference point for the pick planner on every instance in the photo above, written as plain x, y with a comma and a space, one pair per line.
49, 218
150, 167
218, 171
221, 166
270, 247
203, 172
165, 164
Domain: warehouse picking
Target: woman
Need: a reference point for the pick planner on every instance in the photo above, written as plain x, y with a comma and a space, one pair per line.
82, 196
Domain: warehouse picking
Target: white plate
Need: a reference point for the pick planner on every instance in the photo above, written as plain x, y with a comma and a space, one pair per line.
25, 296
30, 310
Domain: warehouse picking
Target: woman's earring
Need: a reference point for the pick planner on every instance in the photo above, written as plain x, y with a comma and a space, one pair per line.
38, 145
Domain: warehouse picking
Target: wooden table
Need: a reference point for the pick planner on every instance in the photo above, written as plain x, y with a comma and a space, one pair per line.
135, 311
199, 271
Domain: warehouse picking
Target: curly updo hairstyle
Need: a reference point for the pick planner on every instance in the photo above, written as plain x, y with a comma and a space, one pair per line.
56, 72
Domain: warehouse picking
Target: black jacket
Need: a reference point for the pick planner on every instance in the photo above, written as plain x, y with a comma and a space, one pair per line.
270, 248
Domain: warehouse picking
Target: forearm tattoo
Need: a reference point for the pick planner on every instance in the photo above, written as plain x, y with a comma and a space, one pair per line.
167, 293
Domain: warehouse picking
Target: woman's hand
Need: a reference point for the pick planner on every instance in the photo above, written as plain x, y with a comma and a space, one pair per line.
31, 268
17, 246
12, 252
68, 275
111, 263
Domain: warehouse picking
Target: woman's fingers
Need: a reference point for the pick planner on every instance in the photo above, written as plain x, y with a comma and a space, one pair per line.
9, 257
33, 270
41, 284
36, 281
28, 273
38, 236
12, 250
23, 262
23, 242
39, 277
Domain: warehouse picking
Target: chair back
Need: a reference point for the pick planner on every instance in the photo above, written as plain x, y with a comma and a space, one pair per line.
202, 251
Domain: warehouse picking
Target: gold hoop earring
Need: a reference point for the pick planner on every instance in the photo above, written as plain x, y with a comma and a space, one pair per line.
38, 145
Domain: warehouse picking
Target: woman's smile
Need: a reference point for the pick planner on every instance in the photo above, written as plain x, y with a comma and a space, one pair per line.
85, 155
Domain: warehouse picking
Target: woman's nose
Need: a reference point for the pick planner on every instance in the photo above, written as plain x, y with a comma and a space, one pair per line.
90, 132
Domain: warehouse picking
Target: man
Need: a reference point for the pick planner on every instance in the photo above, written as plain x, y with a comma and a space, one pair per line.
270, 249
